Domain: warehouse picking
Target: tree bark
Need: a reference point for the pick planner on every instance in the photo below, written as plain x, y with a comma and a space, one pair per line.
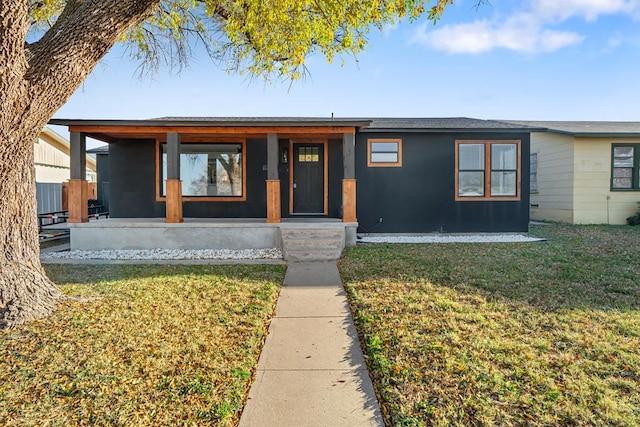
35, 81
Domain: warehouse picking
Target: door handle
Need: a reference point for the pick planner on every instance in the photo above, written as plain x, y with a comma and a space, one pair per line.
295, 185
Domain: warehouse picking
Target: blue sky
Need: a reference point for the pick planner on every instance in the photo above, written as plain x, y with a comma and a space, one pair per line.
531, 59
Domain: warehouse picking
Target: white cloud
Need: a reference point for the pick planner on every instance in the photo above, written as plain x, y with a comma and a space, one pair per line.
532, 31
590, 10
518, 33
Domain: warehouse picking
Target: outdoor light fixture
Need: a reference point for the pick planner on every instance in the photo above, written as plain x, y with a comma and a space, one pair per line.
284, 156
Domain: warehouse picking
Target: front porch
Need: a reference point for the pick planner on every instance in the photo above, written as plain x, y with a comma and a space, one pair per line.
295, 237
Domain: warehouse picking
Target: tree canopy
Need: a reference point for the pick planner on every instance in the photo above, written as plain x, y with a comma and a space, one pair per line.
262, 37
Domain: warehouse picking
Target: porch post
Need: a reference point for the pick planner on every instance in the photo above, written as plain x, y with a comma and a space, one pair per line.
273, 181
78, 189
349, 178
174, 184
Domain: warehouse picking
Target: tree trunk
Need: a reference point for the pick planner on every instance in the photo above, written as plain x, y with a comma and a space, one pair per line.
25, 291
34, 83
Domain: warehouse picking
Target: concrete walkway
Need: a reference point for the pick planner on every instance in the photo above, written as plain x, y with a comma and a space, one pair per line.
311, 371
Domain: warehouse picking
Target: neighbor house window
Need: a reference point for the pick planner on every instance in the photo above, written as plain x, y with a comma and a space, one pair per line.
533, 167
208, 171
384, 152
487, 170
625, 173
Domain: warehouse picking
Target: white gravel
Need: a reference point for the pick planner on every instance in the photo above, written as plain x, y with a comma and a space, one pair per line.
159, 254
439, 238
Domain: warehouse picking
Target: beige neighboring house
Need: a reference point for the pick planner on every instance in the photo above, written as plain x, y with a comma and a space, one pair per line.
51, 155
585, 172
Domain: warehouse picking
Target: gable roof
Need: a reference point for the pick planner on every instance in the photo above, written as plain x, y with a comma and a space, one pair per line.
587, 128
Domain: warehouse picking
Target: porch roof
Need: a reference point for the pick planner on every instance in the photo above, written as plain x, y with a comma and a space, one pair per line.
205, 127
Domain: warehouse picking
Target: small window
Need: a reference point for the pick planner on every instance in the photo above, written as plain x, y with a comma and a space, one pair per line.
487, 170
625, 173
533, 167
384, 152
309, 154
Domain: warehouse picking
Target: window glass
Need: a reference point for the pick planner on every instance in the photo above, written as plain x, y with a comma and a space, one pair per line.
503, 183
471, 184
208, 169
308, 154
625, 174
384, 147
384, 157
623, 156
533, 166
471, 156
504, 156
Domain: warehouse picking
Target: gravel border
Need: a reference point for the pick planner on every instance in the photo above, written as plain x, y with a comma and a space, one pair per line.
166, 254
482, 238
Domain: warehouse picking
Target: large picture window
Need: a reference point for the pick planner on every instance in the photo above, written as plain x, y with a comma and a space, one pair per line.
487, 170
208, 170
625, 173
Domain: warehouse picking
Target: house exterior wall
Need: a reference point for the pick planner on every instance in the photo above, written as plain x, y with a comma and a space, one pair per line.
51, 160
132, 174
420, 196
594, 202
554, 199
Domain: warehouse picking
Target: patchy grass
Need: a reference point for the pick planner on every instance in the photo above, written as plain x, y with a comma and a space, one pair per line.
544, 333
162, 345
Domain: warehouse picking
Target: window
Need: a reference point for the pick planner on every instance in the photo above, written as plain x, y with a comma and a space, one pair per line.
533, 167
308, 154
209, 171
384, 152
487, 170
625, 168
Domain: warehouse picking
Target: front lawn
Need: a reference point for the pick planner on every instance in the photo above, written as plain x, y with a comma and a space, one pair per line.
544, 333
160, 345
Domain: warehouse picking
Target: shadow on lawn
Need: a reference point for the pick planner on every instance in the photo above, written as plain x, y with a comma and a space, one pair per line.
593, 267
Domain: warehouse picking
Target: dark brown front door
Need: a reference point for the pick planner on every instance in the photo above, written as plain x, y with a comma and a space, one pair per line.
308, 178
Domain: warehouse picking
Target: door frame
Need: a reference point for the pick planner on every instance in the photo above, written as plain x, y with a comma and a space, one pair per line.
325, 171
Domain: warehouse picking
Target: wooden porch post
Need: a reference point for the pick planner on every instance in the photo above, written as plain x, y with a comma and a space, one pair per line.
273, 182
349, 180
174, 184
78, 190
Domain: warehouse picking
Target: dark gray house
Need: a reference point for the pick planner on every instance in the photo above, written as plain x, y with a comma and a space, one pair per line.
382, 175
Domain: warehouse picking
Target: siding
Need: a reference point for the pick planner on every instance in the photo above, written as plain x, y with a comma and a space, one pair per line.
554, 199
419, 197
52, 164
594, 202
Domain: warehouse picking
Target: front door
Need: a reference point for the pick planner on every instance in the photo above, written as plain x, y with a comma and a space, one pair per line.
308, 178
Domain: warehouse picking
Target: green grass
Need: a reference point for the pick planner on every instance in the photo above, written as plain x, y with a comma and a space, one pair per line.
544, 333
160, 345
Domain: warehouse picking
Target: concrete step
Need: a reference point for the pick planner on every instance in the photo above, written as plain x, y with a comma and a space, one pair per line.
306, 233
312, 244
313, 255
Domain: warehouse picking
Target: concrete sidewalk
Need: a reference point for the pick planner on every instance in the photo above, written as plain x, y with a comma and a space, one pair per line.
311, 371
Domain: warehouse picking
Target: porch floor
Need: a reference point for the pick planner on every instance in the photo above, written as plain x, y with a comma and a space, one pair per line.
198, 233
